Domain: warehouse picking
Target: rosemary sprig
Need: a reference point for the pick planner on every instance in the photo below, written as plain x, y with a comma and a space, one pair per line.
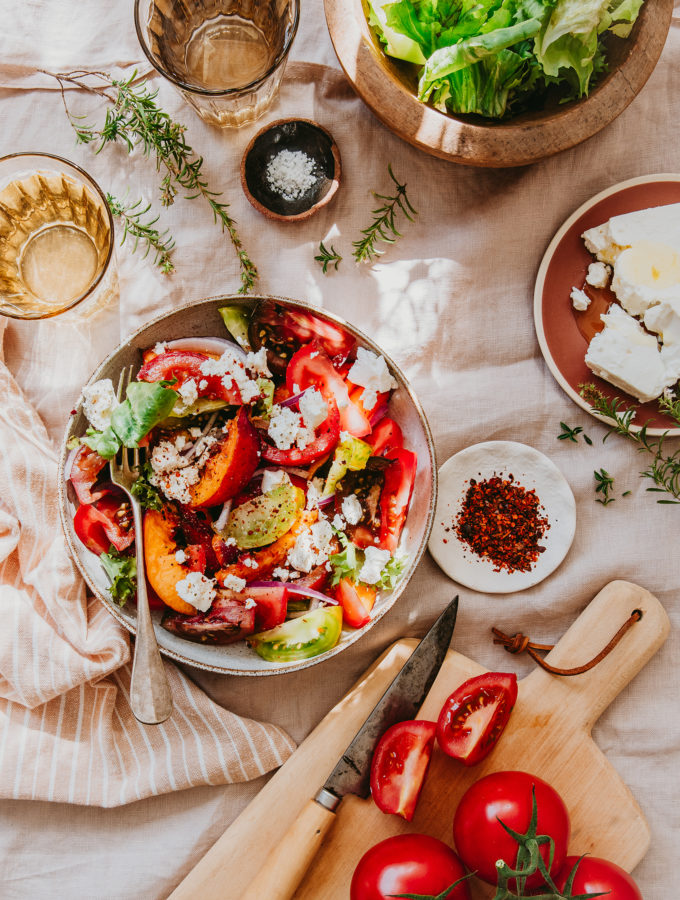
383, 227
664, 468
130, 216
604, 483
328, 257
135, 119
571, 434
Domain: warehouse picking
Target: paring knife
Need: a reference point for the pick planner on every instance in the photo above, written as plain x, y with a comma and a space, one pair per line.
285, 866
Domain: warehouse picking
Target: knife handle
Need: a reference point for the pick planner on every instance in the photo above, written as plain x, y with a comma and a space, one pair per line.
286, 865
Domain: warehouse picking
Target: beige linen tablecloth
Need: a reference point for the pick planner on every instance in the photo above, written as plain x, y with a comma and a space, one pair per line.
452, 303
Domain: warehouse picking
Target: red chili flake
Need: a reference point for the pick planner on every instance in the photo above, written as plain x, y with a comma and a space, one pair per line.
500, 520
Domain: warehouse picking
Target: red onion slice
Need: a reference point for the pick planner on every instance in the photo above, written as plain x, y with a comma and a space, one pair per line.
293, 589
291, 401
379, 413
325, 501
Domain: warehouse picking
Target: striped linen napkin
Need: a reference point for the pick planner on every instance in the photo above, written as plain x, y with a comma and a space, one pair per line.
66, 730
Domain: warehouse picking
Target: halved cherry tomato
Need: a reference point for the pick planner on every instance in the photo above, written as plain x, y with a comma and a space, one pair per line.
399, 766
311, 367
396, 496
474, 716
356, 600
385, 436
327, 435
598, 876
272, 603
98, 526
85, 468
184, 365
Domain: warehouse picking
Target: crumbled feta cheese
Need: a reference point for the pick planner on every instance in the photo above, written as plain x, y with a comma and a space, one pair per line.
197, 590
313, 408
598, 274
250, 603
171, 473
234, 583
231, 368
99, 401
371, 372
351, 509
181, 556
375, 561
280, 574
314, 492
250, 563
202, 384
195, 432
286, 429
312, 546
188, 394
579, 299
338, 522
160, 347
257, 362
272, 478
165, 457
230, 542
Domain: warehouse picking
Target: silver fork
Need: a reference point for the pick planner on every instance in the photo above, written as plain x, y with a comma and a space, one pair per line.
150, 697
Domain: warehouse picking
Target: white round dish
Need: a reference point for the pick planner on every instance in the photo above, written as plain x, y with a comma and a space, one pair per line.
532, 470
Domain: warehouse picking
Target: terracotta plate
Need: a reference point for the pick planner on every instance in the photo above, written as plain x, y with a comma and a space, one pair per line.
202, 318
562, 332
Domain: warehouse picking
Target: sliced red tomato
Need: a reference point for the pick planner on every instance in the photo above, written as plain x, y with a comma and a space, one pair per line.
284, 331
98, 525
396, 496
598, 876
197, 527
335, 340
85, 469
474, 716
272, 604
356, 600
311, 367
399, 766
315, 580
184, 365
385, 436
327, 436
356, 393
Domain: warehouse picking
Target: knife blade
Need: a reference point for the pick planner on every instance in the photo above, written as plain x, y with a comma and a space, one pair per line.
286, 865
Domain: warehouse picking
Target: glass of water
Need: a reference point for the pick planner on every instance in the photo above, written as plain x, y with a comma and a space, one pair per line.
56, 238
226, 56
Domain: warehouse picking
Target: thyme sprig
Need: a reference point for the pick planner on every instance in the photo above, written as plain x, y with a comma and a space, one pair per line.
571, 434
664, 468
135, 119
383, 227
328, 257
604, 484
131, 217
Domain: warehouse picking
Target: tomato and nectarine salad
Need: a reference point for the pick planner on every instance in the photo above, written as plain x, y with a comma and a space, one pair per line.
275, 484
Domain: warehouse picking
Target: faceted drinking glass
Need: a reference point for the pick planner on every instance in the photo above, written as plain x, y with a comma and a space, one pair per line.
226, 56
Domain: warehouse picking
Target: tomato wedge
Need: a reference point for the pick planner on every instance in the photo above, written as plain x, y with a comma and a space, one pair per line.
386, 436
283, 331
327, 436
399, 766
85, 469
311, 367
396, 496
98, 526
356, 600
473, 718
184, 365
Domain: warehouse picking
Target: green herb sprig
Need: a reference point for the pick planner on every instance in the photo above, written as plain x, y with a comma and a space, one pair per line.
131, 217
383, 227
604, 484
135, 119
571, 434
664, 468
328, 257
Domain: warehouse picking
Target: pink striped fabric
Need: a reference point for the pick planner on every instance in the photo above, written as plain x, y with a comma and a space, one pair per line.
66, 730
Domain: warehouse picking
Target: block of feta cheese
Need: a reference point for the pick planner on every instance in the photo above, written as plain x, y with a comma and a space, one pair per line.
646, 274
627, 357
658, 224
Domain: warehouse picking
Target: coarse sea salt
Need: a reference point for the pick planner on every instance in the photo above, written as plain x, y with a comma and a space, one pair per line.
291, 173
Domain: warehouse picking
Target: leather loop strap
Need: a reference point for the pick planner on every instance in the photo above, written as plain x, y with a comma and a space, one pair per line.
519, 643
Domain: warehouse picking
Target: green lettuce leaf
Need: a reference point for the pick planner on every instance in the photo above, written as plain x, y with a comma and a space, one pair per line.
106, 443
484, 88
122, 570
146, 404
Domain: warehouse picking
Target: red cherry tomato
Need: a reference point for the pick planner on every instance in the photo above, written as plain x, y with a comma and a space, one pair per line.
595, 875
399, 766
386, 436
311, 367
474, 716
408, 864
480, 838
356, 600
396, 496
98, 526
327, 436
184, 365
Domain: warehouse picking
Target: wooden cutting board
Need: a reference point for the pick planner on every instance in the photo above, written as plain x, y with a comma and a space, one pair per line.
548, 735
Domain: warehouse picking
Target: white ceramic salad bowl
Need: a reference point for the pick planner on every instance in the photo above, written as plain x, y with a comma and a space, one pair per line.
202, 319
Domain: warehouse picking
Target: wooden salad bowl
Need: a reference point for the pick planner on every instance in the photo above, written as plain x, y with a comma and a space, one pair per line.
388, 88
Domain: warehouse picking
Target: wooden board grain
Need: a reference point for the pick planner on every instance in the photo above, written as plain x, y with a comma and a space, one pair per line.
548, 735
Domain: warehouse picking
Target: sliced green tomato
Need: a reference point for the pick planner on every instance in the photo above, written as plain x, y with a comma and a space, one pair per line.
266, 518
301, 638
350, 454
201, 405
236, 322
